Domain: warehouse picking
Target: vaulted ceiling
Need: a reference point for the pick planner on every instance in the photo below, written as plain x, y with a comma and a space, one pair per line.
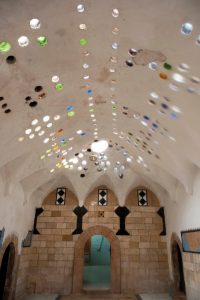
122, 71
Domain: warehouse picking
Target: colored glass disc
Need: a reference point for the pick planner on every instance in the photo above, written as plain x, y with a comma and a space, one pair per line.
59, 86
71, 113
163, 76
70, 108
42, 40
5, 46
83, 42
167, 66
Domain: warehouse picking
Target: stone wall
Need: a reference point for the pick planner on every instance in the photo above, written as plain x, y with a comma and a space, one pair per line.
191, 262
22, 287
50, 260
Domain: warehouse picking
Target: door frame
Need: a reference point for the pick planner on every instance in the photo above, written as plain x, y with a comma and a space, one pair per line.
79, 258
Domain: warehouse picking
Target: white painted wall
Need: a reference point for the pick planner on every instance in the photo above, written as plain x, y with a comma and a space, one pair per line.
15, 216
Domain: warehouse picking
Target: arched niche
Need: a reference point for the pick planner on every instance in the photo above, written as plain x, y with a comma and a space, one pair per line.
9, 261
71, 199
132, 198
92, 198
79, 257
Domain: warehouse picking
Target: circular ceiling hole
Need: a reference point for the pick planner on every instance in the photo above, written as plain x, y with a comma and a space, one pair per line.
164, 105
161, 111
132, 52
195, 79
166, 98
113, 59
115, 31
115, 46
4, 105
186, 28
28, 98
11, 59
35, 24
1, 98
153, 66
55, 78
86, 53
38, 88
23, 41
80, 8
41, 96
82, 175
152, 102
83, 26
129, 63
184, 67
33, 104
198, 40
146, 118
88, 150
7, 111
115, 13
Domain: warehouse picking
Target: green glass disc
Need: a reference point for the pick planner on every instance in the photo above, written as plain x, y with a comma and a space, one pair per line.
83, 42
71, 113
5, 46
42, 40
167, 66
59, 86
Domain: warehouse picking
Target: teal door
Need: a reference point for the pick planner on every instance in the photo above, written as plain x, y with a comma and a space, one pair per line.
97, 263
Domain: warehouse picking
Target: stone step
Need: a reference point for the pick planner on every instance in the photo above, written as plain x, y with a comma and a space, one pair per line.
97, 295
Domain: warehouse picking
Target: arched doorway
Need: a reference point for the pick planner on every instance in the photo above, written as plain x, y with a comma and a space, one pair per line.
179, 281
97, 253
6, 270
78, 274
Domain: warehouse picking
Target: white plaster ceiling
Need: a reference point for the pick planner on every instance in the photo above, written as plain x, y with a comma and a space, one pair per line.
143, 24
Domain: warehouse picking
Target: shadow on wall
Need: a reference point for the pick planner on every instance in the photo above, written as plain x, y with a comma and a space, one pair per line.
6, 270
177, 265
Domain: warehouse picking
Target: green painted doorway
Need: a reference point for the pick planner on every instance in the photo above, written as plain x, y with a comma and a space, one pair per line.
97, 271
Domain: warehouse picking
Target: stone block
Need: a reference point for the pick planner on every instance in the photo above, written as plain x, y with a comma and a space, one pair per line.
67, 237
56, 213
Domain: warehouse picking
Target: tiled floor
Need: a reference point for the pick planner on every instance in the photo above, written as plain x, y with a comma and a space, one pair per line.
82, 297
155, 297
42, 297
99, 297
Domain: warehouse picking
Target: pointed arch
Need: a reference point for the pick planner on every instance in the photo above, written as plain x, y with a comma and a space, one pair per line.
102, 181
